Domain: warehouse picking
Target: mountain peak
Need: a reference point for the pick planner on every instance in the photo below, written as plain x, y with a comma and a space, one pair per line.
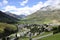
51, 7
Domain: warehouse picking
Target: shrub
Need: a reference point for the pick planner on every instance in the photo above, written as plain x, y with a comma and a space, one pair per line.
54, 28
58, 28
54, 32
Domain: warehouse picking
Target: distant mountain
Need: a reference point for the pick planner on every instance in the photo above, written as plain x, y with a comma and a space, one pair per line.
13, 15
16, 16
22, 16
48, 14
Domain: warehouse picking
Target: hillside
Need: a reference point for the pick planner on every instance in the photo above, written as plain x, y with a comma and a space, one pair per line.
4, 17
45, 16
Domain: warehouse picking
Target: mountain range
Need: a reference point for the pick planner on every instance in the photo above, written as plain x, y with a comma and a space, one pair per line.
16, 16
48, 14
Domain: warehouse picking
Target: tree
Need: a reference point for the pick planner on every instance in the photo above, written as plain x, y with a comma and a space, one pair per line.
34, 30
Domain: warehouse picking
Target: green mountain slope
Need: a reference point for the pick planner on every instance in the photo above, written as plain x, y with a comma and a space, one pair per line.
47, 16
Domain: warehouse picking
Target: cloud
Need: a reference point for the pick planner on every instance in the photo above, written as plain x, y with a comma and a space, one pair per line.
4, 2
0, 4
9, 8
23, 3
29, 10
25, 10
54, 4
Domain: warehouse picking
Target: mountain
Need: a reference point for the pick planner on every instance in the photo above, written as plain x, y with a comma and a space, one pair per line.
22, 16
48, 14
16, 16
13, 15
7, 18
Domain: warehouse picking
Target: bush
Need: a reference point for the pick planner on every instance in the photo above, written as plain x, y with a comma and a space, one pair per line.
54, 32
54, 28
58, 28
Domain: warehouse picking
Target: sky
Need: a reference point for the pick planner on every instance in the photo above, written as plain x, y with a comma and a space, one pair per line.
26, 7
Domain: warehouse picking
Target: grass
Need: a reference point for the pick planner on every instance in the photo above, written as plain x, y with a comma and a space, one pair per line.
5, 25
23, 38
41, 34
53, 37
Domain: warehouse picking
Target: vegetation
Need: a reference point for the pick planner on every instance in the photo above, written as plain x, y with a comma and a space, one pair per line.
34, 30
23, 38
53, 37
7, 29
56, 29
45, 33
